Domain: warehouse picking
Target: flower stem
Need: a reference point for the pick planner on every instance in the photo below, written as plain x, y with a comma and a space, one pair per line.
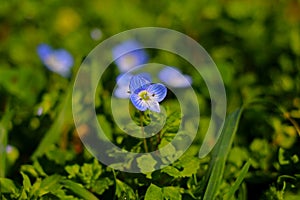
143, 132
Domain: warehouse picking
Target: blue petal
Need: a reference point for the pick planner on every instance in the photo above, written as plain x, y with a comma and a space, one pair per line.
137, 82
146, 76
64, 57
158, 91
154, 106
174, 78
129, 54
59, 61
124, 79
138, 103
122, 92
44, 51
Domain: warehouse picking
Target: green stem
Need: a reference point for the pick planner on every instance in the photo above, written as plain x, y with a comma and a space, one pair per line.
115, 177
295, 124
143, 132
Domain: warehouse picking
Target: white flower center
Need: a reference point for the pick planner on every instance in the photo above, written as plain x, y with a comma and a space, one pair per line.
144, 95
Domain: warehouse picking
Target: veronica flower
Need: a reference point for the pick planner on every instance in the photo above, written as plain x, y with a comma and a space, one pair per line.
146, 95
123, 80
129, 54
59, 61
174, 78
122, 90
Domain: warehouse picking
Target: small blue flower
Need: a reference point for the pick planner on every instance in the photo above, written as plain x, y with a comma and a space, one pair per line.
174, 78
59, 61
123, 80
146, 95
129, 54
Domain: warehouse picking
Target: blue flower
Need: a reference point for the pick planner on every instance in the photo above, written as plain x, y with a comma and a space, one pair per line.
174, 78
59, 61
129, 54
123, 80
146, 95
122, 90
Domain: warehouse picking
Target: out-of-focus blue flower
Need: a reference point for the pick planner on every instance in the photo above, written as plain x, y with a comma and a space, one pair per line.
129, 54
145, 95
59, 61
174, 78
122, 91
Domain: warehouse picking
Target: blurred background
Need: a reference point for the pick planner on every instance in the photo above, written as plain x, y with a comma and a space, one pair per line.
255, 44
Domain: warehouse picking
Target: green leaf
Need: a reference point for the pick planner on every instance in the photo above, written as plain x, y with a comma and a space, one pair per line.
238, 156
101, 185
63, 120
123, 191
72, 170
172, 193
50, 184
238, 181
26, 182
78, 189
186, 166
172, 123
146, 163
90, 172
154, 192
8, 186
59, 156
23, 83
220, 153
105, 126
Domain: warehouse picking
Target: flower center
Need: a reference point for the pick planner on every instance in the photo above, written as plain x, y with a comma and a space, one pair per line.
144, 95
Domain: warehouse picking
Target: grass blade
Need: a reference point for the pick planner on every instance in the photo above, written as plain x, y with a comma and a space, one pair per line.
78, 189
220, 153
238, 181
4, 126
54, 133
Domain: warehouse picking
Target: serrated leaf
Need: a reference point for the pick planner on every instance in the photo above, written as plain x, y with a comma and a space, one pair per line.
90, 172
146, 163
184, 167
154, 192
72, 170
101, 185
171, 193
124, 191
59, 156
